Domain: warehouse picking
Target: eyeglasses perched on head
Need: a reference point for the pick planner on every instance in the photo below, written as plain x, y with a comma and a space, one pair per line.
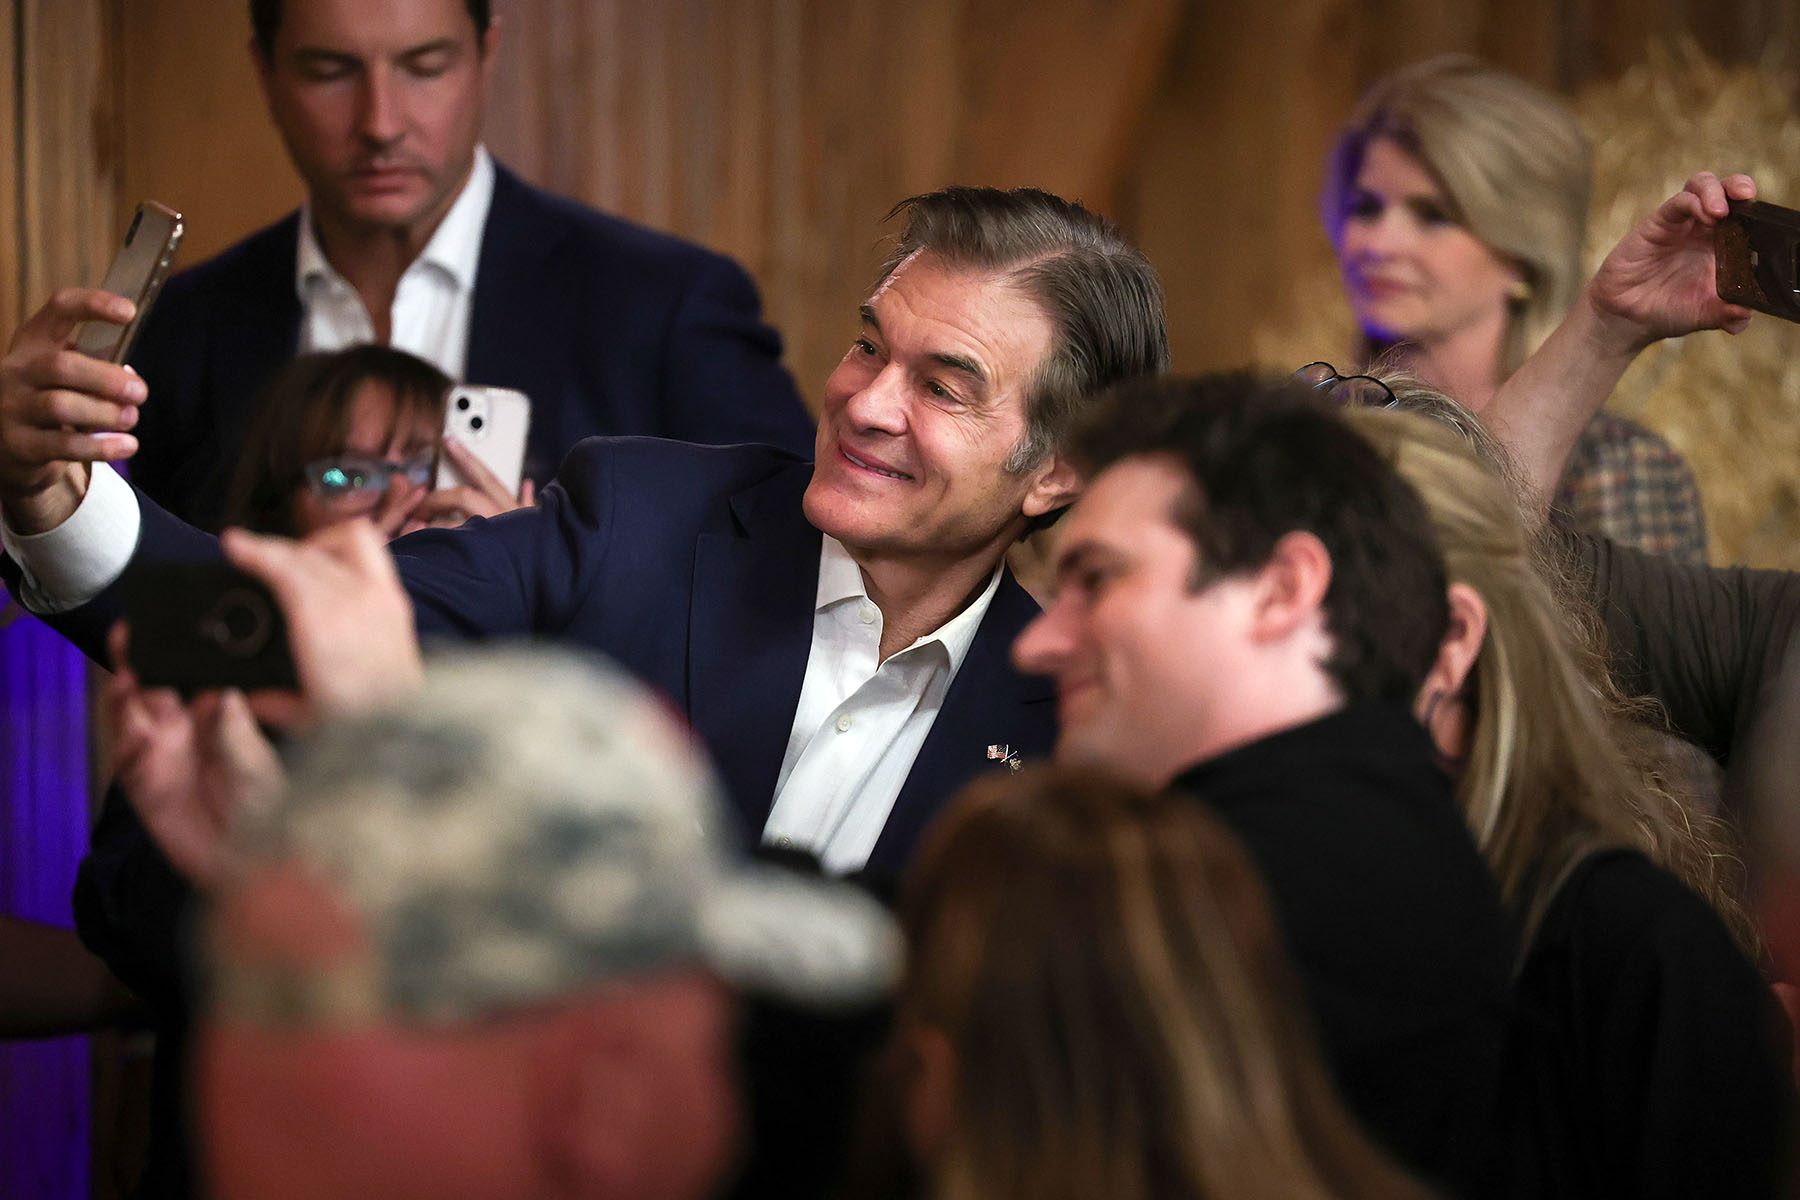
1358, 391
353, 479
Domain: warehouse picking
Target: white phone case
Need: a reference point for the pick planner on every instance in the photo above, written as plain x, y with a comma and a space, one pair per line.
492, 422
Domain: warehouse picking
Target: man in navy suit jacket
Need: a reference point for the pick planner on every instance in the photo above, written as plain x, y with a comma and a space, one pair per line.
838, 630
412, 235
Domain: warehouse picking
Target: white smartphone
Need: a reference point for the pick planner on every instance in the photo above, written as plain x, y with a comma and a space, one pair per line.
137, 273
492, 423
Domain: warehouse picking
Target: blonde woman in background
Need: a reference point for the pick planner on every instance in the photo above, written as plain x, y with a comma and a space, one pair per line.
1456, 199
1661, 1053
1097, 1004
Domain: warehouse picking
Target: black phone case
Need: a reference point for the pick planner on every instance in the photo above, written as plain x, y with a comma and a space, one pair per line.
1754, 255
196, 626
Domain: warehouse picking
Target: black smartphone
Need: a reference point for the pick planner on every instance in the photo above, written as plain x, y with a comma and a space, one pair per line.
202, 625
137, 273
1756, 255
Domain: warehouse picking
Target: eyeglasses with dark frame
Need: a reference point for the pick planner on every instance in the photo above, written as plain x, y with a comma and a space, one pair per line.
346, 479
1349, 391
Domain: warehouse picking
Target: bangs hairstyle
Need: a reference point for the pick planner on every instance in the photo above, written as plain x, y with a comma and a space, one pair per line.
1264, 458
1100, 293
304, 414
1512, 163
1104, 963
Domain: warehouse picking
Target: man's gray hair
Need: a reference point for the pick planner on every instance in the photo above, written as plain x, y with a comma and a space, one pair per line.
1098, 290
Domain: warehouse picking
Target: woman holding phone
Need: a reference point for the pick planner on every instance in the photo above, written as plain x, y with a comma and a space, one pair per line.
1456, 198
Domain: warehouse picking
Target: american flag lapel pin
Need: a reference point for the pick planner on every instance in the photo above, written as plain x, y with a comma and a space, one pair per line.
1005, 754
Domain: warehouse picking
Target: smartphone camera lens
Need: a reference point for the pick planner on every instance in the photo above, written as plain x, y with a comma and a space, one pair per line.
462, 404
476, 423
239, 623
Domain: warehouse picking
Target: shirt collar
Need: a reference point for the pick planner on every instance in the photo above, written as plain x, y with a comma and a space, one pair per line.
840, 579
454, 248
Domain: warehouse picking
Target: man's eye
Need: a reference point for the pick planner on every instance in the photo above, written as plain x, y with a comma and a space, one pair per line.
939, 392
863, 346
429, 67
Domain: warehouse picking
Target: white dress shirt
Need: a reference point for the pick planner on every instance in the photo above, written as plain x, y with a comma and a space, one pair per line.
430, 316
860, 721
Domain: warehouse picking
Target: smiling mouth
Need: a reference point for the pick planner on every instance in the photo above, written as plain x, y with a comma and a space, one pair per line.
871, 467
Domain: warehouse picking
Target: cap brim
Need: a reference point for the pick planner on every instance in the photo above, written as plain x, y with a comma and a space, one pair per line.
812, 942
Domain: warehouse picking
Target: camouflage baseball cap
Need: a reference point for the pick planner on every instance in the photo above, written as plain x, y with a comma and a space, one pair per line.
532, 823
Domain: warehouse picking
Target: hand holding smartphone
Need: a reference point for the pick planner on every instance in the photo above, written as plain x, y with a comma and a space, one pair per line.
492, 423
137, 273
1756, 254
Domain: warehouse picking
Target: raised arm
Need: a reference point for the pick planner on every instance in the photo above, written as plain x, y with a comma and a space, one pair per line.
1657, 282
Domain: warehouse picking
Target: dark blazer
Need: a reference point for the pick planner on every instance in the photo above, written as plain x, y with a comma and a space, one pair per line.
695, 567
610, 328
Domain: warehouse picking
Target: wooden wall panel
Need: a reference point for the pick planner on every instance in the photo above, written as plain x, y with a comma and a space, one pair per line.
194, 130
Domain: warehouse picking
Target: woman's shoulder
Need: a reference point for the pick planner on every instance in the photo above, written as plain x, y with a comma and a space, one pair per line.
1618, 909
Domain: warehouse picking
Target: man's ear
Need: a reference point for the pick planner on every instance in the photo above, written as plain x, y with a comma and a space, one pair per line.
587, 1103
1055, 485
1463, 639
1291, 587
488, 42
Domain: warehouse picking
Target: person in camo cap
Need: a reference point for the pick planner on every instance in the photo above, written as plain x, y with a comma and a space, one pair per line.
486, 944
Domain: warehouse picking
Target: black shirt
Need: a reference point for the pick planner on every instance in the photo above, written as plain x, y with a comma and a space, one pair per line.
1395, 926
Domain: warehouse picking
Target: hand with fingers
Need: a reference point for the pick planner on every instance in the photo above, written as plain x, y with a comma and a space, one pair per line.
1659, 280
350, 623
482, 494
187, 768
61, 410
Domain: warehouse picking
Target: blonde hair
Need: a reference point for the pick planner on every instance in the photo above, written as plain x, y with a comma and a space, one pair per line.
1105, 964
1514, 167
1560, 764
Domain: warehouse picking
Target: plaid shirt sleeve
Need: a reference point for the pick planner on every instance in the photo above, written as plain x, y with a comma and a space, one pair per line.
1626, 483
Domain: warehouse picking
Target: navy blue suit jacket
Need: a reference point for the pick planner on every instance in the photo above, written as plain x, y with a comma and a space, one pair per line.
696, 568
610, 328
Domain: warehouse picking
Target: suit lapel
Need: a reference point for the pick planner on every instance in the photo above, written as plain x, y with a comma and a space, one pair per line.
989, 703
749, 636
522, 331
258, 331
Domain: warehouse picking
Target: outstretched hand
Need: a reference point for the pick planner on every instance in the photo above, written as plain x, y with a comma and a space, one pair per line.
1659, 281
187, 768
350, 623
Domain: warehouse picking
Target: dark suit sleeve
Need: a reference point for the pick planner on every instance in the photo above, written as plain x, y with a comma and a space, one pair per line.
1705, 641
722, 378
522, 573
131, 905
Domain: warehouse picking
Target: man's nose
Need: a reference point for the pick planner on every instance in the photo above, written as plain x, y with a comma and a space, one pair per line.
382, 118
1044, 643
881, 405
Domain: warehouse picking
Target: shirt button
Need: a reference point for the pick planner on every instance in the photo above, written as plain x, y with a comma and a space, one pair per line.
843, 723
867, 613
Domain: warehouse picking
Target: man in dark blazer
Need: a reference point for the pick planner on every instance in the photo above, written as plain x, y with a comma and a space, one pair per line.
412, 235
836, 630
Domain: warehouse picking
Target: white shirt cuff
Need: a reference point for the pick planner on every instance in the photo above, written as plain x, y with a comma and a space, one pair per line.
67, 566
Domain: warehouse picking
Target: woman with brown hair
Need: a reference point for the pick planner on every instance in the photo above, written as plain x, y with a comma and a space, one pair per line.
1660, 1053
1456, 198
1097, 1004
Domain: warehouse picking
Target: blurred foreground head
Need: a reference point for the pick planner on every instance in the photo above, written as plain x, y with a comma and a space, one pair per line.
1097, 1004
487, 946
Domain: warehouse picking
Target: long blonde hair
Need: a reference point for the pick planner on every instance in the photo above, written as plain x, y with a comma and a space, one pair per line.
1106, 967
1560, 764
1513, 165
